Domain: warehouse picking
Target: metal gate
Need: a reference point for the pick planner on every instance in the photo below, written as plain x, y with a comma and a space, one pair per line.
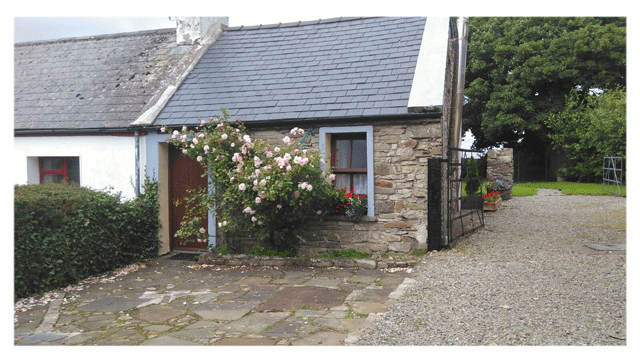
613, 174
455, 199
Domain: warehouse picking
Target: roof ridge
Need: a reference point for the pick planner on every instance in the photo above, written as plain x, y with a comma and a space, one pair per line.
97, 37
296, 23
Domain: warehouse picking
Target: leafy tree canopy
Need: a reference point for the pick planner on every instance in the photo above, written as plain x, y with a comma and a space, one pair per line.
520, 71
589, 129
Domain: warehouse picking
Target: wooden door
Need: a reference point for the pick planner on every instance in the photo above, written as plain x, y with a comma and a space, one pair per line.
185, 173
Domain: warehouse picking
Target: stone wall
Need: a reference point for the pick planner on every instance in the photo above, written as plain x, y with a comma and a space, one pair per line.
500, 167
401, 153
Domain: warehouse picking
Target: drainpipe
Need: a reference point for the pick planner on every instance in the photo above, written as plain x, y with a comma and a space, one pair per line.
463, 29
137, 136
458, 102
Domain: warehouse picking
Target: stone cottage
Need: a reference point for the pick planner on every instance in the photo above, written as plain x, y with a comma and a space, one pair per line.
380, 91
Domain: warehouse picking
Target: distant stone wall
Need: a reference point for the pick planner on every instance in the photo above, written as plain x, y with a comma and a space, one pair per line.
500, 167
401, 153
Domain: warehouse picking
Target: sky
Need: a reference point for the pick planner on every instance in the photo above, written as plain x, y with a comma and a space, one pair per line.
52, 28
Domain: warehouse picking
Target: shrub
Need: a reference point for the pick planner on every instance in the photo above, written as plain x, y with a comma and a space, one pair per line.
269, 189
472, 180
65, 233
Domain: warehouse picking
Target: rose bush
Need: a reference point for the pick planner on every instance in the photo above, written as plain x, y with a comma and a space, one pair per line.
273, 190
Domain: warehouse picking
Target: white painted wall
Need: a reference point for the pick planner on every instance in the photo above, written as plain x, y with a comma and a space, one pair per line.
427, 89
105, 161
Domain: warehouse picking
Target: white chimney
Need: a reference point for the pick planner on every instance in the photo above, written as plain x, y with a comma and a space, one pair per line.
190, 30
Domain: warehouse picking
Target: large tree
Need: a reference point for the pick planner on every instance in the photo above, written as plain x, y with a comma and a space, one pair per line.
521, 70
589, 129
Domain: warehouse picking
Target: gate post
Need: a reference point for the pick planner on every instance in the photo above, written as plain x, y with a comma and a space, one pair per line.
434, 205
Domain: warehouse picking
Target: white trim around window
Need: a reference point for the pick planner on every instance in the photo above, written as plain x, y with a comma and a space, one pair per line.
325, 133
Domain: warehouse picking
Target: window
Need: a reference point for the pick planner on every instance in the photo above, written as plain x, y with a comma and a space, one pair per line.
348, 150
349, 162
59, 170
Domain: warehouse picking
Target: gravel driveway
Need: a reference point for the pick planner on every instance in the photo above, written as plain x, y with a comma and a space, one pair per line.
527, 278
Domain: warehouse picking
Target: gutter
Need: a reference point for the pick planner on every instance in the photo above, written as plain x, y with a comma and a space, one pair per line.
68, 131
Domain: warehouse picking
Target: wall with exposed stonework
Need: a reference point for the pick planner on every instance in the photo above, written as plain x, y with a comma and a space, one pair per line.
500, 167
401, 153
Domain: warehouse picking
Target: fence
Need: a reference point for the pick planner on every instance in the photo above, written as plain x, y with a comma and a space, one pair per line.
451, 214
613, 171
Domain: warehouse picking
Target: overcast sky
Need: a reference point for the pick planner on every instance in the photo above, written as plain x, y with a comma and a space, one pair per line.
51, 28
35, 20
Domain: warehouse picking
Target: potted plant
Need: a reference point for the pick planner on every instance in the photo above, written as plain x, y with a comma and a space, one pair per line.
350, 204
491, 201
500, 186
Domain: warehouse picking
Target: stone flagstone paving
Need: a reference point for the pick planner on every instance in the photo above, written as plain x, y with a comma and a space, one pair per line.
173, 302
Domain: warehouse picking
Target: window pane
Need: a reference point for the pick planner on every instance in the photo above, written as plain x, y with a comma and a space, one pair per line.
52, 164
73, 170
342, 181
51, 178
360, 183
359, 157
342, 153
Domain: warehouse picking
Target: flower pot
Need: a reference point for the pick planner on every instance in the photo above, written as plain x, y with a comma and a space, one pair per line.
487, 206
506, 194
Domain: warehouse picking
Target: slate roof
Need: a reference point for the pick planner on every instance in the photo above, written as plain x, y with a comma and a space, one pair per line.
102, 82
358, 67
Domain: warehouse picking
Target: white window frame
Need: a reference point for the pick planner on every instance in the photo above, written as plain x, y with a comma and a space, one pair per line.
368, 131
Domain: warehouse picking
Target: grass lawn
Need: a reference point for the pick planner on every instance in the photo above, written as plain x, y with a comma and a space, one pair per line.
569, 188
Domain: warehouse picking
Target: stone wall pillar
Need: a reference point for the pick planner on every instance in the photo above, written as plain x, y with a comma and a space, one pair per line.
500, 167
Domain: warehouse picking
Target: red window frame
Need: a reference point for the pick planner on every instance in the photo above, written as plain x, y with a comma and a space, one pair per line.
62, 171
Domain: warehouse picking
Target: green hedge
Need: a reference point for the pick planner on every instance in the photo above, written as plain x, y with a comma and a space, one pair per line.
65, 233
